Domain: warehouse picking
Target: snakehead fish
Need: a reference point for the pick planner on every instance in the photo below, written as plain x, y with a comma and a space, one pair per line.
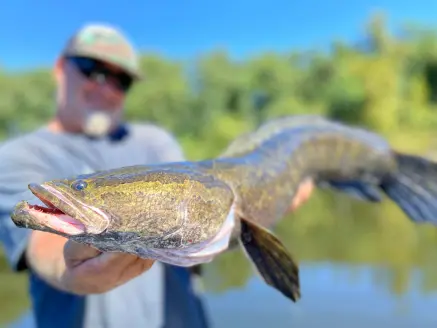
185, 213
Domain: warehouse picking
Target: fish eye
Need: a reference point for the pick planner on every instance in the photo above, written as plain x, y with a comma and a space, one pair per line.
79, 185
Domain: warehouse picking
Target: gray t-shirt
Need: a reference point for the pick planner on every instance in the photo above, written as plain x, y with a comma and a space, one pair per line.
161, 297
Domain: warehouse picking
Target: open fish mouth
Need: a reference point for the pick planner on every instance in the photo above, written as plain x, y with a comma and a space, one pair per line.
61, 213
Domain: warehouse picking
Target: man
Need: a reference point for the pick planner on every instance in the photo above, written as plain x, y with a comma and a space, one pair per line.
72, 285
93, 76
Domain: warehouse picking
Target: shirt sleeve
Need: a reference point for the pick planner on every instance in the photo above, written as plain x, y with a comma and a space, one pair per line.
16, 171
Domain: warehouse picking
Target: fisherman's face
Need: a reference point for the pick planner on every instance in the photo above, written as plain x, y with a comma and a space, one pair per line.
91, 95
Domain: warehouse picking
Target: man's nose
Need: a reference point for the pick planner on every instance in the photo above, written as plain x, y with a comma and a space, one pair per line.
101, 82
104, 88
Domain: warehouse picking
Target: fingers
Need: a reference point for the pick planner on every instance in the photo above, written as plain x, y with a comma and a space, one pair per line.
103, 272
120, 259
145, 264
133, 270
76, 253
125, 268
303, 194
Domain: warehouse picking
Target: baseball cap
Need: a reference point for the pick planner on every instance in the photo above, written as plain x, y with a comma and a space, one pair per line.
106, 43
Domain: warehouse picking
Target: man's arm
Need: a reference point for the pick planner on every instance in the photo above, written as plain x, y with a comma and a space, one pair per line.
65, 265
24, 248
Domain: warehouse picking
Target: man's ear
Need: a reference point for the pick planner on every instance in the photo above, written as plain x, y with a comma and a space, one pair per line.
58, 69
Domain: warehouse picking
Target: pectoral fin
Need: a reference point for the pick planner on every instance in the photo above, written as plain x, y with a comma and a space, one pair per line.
273, 262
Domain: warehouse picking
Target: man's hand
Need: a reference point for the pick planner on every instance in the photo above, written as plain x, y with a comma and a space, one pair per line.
302, 195
80, 269
88, 271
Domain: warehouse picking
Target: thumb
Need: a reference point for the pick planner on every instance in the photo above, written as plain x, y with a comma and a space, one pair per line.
76, 253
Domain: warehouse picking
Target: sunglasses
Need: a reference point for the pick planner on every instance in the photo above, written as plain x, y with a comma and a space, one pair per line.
94, 69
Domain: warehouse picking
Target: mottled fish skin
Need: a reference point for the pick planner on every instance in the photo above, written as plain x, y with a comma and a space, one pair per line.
251, 140
275, 159
163, 209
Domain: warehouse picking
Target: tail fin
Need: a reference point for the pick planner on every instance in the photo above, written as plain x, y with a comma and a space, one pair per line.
414, 187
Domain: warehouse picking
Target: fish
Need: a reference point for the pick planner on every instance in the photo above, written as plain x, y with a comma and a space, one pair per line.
186, 213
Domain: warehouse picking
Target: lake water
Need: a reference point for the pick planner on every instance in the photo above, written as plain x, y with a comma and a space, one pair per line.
360, 266
332, 295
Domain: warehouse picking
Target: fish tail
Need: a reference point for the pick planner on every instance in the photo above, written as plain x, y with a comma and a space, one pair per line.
414, 187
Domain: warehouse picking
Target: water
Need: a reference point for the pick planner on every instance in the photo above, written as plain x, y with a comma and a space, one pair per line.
333, 295
361, 266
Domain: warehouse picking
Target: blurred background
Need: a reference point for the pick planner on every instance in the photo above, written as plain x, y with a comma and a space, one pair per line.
215, 70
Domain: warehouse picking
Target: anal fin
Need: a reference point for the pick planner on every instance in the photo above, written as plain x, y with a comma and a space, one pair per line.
360, 190
273, 262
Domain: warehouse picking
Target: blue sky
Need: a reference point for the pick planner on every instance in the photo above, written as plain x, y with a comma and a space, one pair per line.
33, 32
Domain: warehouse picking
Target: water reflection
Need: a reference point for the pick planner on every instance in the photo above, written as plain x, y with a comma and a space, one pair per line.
333, 295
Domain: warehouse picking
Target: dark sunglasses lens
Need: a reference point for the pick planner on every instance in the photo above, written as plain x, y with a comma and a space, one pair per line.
125, 81
91, 67
86, 66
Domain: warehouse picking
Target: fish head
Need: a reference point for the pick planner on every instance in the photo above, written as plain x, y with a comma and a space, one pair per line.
157, 207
